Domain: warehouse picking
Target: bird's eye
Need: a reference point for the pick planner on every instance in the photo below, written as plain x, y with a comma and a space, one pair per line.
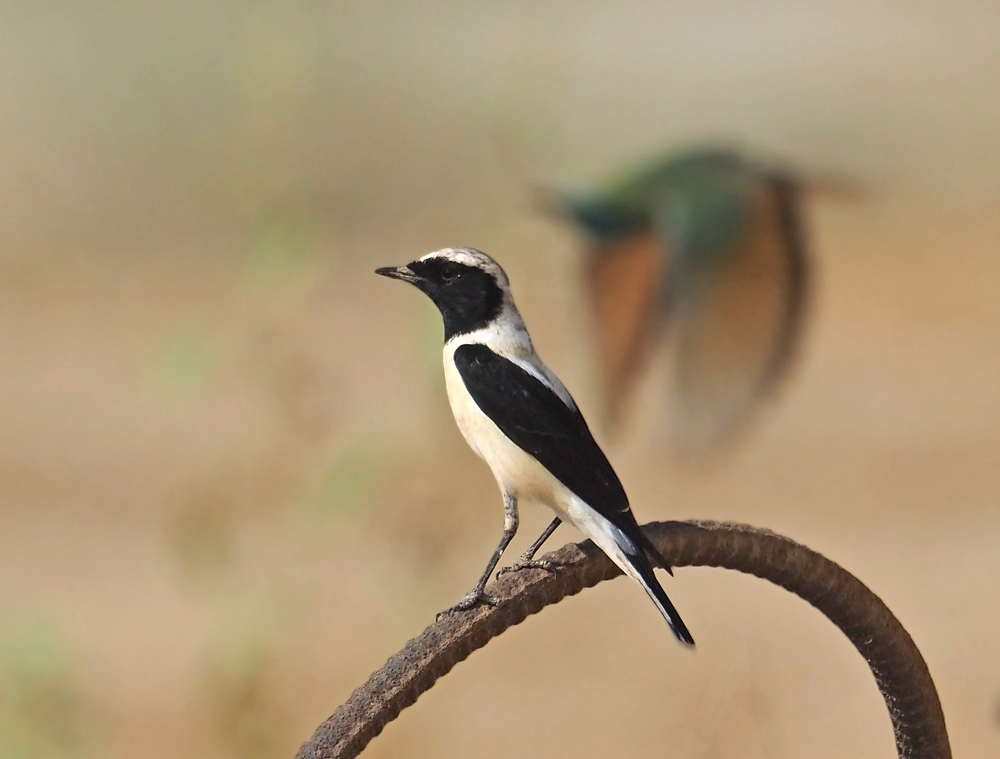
450, 272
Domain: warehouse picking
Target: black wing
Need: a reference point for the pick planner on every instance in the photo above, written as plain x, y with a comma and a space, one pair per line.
537, 420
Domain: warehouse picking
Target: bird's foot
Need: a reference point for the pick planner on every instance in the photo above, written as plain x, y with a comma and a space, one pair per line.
473, 598
517, 566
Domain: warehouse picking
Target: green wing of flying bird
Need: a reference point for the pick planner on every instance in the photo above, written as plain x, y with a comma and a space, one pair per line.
736, 297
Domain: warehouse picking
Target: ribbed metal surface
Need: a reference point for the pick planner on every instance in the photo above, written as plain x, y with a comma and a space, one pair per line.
899, 669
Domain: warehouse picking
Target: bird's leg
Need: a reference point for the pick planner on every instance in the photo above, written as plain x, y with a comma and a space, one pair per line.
527, 558
477, 595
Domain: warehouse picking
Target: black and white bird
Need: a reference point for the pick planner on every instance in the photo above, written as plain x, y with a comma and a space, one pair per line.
520, 419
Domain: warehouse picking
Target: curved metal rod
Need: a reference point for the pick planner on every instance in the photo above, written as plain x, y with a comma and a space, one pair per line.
899, 669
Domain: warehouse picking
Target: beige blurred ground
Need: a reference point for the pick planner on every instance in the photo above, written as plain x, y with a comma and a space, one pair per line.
230, 486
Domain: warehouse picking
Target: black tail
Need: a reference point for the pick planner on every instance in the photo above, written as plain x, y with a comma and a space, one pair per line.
644, 574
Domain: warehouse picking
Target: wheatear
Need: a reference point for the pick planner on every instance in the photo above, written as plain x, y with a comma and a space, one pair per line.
520, 419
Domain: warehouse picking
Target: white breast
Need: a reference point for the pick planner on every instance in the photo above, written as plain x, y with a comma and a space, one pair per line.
518, 473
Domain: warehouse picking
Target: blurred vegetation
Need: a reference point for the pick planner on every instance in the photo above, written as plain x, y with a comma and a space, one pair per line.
202, 532
44, 713
183, 361
283, 250
244, 697
353, 480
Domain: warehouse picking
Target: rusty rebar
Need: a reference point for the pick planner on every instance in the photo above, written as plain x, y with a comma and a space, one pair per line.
899, 669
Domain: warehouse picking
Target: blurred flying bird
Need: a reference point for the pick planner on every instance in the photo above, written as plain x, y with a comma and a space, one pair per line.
520, 419
710, 244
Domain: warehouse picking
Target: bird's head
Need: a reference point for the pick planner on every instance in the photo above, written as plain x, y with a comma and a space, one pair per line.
468, 287
603, 218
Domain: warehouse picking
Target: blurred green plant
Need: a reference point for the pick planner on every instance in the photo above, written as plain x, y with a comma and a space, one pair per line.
282, 253
351, 482
43, 712
248, 714
202, 531
182, 360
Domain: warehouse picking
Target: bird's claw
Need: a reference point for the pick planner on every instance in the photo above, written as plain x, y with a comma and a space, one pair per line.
517, 566
471, 599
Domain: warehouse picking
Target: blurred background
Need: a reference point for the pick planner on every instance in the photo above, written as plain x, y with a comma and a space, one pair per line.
231, 484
